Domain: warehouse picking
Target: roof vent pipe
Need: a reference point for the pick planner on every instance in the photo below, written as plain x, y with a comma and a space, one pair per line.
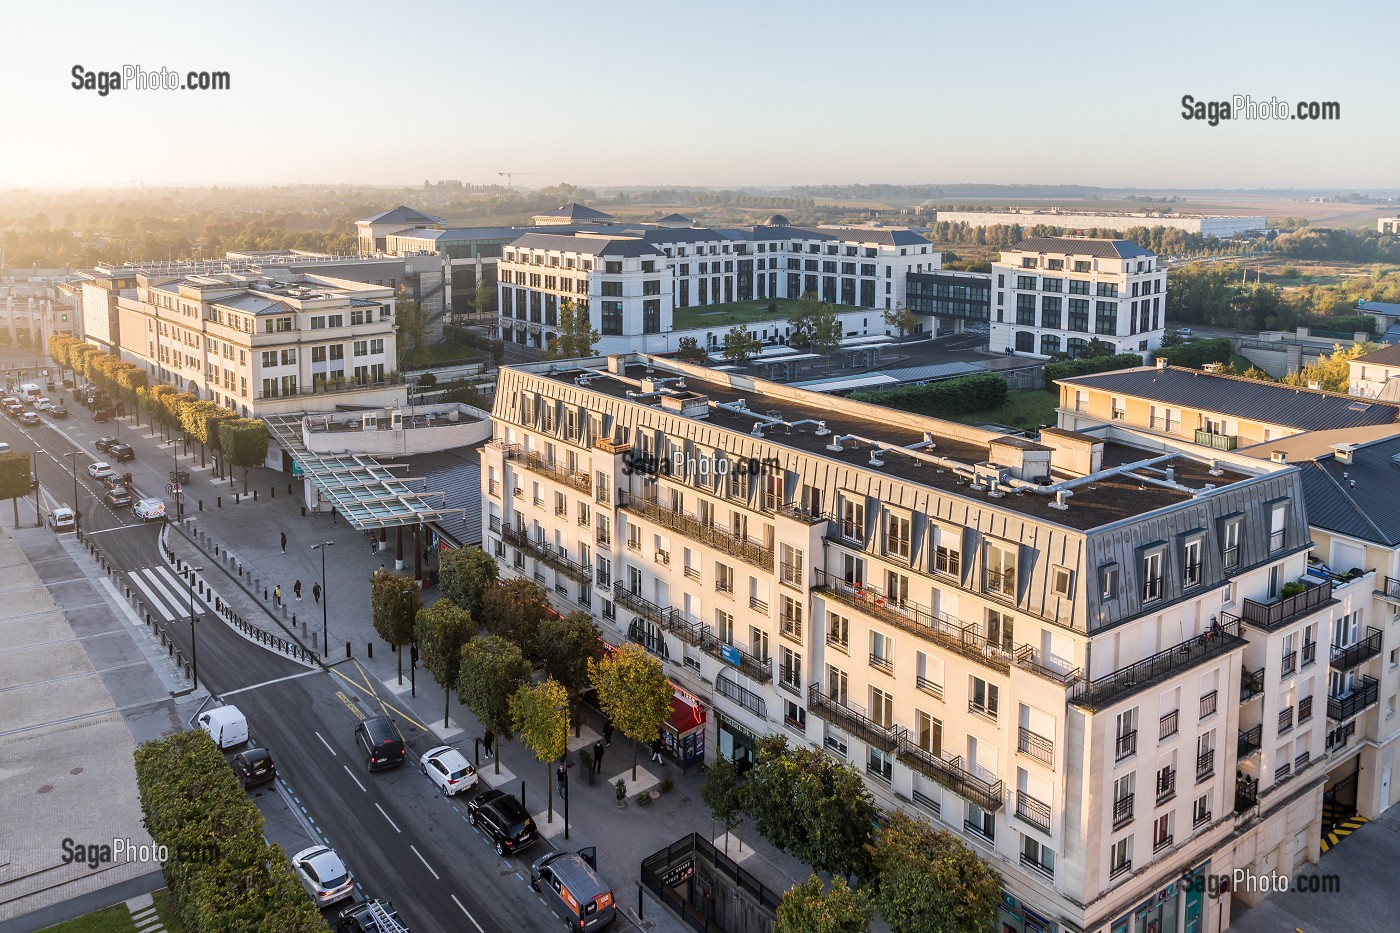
1061, 499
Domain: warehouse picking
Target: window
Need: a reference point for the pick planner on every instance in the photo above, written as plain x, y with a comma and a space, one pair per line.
882, 652
724, 578
1120, 854
999, 629
879, 764
724, 626
1000, 570
928, 732
1108, 577
881, 708
1162, 832
1105, 317
1200, 810
1151, 576
947, 560
852, 520
758, 643
1278, 513
897, 536
1230, 544
791, 617
983, 698
791, 566
1061, 580
1078, 315
790, 669
1037, 855
838, 631
836, 685
1126, 732
1123, 800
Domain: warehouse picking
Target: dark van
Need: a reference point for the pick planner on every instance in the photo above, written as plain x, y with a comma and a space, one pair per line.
381, 742
572, 886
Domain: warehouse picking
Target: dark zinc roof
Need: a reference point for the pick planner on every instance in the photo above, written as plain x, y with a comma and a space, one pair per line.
595, 246
1360, 504
403, 215
457, 474
576, 212
1082, 246
1265, 402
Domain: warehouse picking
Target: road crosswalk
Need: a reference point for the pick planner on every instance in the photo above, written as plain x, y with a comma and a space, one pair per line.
165, 593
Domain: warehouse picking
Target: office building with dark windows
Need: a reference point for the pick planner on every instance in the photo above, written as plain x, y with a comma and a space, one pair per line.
956, 301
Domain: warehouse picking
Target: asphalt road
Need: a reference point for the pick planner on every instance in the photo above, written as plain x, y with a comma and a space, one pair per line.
400, 837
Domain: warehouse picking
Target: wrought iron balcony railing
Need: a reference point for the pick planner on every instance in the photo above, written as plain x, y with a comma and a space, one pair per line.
1251, 685
548, 554
1363, 695
1036, 746
1271, 615
682, 523
1249, 741
1032, 811
535, 463
952, 774
1352, 655
853, 719
1125, 681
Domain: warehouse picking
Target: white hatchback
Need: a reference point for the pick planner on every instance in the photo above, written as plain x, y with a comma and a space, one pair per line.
449, 770
323, 874
101, 470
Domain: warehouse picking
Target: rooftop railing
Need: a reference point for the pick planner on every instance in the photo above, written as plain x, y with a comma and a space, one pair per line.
690, 526
1271, 615
1215, 641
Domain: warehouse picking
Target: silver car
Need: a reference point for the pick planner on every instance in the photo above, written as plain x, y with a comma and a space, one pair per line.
323, 874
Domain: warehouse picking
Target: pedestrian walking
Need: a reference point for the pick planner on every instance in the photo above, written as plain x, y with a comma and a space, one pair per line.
284, 542
296, 590
489, 740
608, 731
562, 777
382, 571
656, 747
598, 748
316, 593
277, 595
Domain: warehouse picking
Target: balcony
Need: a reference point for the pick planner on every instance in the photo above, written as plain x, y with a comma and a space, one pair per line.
758, 605
853, 720
1249, 742
495, 487
1391, 589
1032, 811
1205, 765
1340, 709
1166, 786
1026, 659
1163, 843
1305, 710
1125, 681
1310, 653
1285, 721
951, 774
1168, 725
759, 669
690, 526
791, 575
1246, 793
1251, 685
1217, 441
1125, 745
495, 524
1036, 746
548, 554
790, 679
1268, 616
937, 628
667, 617
882, 663
934, 690
604, 538
742, 695
1337, 738
1123, 811
1209, 703
1344, 659
692, 573
578, 479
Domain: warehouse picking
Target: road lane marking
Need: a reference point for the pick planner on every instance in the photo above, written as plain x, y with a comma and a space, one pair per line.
388, 709
325, 743
468, 913
424, 861
355, 779
385, 815
268, 683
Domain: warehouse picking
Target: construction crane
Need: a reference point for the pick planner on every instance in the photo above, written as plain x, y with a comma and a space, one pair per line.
508, 175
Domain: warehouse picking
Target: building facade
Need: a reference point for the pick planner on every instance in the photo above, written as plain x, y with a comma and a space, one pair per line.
1388, 225
1204, 224
1376, 375
953, 301
984, 626
1055, 294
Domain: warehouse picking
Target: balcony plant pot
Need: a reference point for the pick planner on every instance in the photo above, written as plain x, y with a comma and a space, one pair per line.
621, 791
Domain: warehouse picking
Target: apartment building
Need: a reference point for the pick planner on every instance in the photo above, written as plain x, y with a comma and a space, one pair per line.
984, 625
1388, 224
1344, 448
261, 345
1055, 294
631, 279
1204, 224
953, 301
1376, 375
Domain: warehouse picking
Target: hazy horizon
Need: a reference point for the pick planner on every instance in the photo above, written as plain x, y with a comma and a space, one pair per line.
774, 95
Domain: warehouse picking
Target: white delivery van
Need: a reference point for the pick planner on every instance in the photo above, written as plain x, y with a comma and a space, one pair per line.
226, 726
30, 390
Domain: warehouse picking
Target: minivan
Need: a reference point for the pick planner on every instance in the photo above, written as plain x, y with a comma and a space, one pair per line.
381, 742
571, 885
226, 725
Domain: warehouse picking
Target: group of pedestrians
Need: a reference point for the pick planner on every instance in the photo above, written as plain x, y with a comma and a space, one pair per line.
296, 587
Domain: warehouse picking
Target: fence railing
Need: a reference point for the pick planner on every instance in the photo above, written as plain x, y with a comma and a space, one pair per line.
1128, 680
548, 554
1271, 615
952, 774
1343, 708
1352, 655
690, 526
853, 719
1036, 745
665, 871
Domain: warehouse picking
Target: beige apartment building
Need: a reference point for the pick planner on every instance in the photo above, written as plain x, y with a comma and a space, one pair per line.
985, 626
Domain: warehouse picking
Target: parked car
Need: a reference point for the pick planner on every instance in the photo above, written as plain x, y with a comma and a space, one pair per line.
118, 497
226, 725
4, 448
381, 742
104, 444
149, 509
449, 769
372, 916
63, 520
29, 417
571, 886
1185, 332
323, 874
100, 470
120, 452
504, 820
14, 409
254, 766
58, 411
42, 403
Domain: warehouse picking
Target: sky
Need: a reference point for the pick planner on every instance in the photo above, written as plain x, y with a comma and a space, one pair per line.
720, 93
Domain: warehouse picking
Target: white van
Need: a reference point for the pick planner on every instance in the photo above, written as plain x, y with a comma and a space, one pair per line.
226, 726
30, 390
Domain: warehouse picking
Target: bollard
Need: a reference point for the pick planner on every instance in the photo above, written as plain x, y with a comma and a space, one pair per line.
273, 490
294, 620
303, 511
237, 498
289, 489
128, 592
201, 505
255, 495
347, 648
522, 793
641, 899
304, 631
265, 594
219, 501
370, 647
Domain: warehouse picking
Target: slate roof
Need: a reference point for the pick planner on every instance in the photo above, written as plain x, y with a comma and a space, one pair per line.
1265, 402
457, 474
675, 219
462, 233
576, 212
1082, 246
1379, 307
1361, 504
1385, 356
594, 246
403, 215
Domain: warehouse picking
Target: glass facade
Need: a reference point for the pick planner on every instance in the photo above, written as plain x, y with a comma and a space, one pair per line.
948, 295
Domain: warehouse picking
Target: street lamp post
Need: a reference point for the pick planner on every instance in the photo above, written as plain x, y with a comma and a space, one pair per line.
325, 598
194, 651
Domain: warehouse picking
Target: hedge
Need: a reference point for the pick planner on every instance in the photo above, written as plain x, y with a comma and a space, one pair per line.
1197, 353
1065, 369
223, 876
949, 397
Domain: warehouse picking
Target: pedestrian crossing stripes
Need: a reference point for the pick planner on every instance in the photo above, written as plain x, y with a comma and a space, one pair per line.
165, 593
1342, 830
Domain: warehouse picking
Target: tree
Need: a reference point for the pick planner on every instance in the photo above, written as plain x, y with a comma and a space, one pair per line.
812, 322
411, 332
515, 609
902, 320
927, 879
491, 671
576, 336
464, 574
739, 345
483, 294
1095, 349
688, 349
566, 644
244, 444
440, 631
1332, 373
808, 804
723, 794
14, 479
809, 908
394, 603
633, 693
540, 715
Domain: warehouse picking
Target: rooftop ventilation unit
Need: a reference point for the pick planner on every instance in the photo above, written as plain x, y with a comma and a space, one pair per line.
875, 460
822, 429
758, 429
1278, 456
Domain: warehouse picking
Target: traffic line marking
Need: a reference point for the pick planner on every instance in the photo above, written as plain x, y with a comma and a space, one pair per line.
386, 816
325, 743
269, 683
355, 779
468, 913
425, 862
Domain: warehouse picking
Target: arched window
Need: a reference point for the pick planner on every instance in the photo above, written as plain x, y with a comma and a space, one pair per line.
1075, 347
1025, 342
1049, 344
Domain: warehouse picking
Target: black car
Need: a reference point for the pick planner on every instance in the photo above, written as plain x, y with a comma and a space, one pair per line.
120, 452
58, 411
118, 497
254, 765
104, 444
504, 819
369, 916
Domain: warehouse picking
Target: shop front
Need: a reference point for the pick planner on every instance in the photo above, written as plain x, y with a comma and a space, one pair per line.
683, 733
1178, 907
736, 741
1016, 916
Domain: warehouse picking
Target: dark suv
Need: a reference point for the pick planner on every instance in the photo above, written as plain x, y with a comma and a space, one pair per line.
504, 819
120, 452
254, 766
381, 742
372, 916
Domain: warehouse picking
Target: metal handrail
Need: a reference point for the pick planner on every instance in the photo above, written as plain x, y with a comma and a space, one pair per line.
1343, 708
548, 554
951, 773
1132, 678
854, 719
690, 526
1271, 615
1352, 655
1035, 745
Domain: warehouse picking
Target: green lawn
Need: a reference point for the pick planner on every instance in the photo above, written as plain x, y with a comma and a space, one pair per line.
117, 919
738, 312
1027, 409
454, 353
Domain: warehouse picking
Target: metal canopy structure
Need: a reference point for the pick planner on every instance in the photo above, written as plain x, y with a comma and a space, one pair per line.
365, 492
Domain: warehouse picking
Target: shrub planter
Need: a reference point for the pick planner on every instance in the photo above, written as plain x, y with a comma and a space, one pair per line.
644, 798
621, 787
